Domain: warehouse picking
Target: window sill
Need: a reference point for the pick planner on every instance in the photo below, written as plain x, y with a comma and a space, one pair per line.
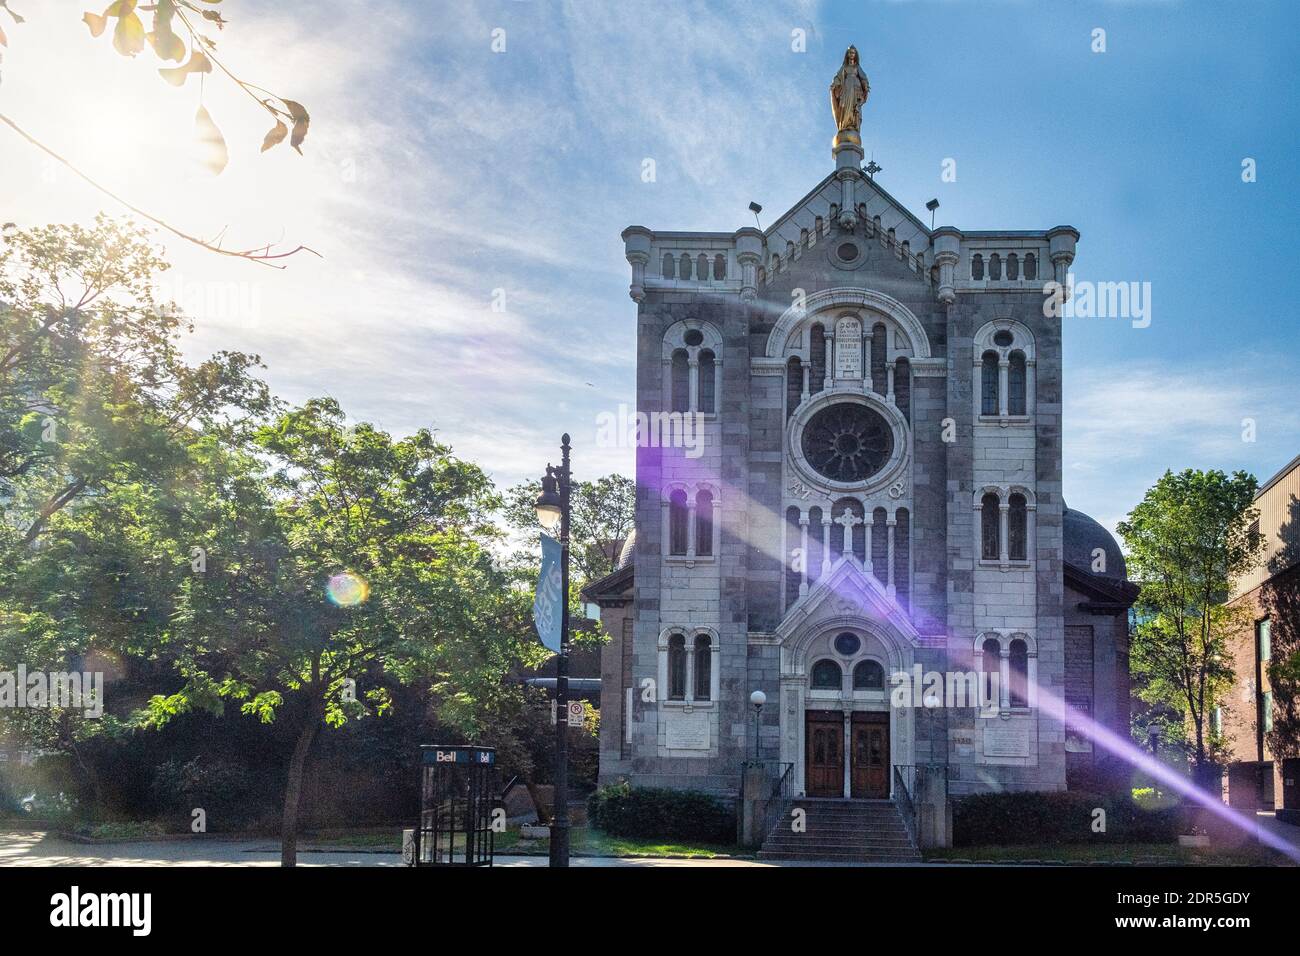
690, 562
993, 564
689, 705
1006, 420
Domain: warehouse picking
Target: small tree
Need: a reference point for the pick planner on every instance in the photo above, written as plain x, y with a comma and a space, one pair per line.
1188, 540
358, 554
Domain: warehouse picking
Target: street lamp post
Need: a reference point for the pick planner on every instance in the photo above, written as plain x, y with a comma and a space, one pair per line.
758, 699
553, 513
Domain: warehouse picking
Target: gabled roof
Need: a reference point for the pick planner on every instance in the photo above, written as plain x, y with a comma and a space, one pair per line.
613, 589
848, 590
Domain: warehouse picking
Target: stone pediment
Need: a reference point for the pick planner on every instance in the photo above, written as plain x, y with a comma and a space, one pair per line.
791, 230
847, 592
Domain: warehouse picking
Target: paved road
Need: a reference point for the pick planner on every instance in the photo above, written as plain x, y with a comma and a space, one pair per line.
42, 849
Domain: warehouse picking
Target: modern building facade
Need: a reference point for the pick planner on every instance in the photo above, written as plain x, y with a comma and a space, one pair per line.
873, 491
1258, 720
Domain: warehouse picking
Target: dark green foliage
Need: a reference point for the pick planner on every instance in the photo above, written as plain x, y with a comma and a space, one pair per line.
1029, 817
659, 813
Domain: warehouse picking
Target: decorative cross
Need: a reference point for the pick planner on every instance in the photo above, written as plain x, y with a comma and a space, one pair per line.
848, 521
872, 169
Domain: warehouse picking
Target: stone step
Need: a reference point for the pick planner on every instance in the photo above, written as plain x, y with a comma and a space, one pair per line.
867, 831
833, 856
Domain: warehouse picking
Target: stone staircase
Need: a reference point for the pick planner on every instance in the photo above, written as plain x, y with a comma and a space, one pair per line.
847, 831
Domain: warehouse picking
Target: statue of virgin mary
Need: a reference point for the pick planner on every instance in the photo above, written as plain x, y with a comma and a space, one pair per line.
849, 92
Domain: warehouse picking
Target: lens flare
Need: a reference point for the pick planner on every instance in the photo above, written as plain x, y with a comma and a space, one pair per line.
347, 589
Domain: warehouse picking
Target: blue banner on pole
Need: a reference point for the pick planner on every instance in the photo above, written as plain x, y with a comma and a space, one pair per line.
548, 605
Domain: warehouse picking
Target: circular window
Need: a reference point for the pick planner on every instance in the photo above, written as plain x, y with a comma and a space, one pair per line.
847, 442
1003, 338
847, 251
848, 644
693, 337
826, 675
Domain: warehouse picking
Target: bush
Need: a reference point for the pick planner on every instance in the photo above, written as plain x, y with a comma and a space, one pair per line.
225, 791
1005, 819
658, 813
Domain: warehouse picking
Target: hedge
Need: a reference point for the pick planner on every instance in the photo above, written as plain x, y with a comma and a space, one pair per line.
659, 813
1019, 818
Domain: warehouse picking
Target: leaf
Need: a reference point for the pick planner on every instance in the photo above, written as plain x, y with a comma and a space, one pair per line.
128, 38
215, 17
3, 41
300, 123
176, 75
275, 136
212, 145
163, 39
96, 23
167, 45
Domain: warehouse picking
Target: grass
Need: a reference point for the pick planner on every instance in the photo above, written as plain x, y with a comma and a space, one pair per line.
1135, 853
585, 841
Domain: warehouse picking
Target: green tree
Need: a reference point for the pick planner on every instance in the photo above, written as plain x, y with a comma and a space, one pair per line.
358, 555
603, 515
101, 421
1187, 541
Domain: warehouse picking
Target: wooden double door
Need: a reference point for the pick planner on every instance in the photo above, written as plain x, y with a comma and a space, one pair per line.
868, 755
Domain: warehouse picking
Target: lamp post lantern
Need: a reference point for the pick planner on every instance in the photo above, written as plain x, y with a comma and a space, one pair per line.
553, 513
758, 699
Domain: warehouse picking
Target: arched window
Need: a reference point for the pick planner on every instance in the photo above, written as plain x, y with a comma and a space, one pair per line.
676, 667
707, 381
879, 355
719, 266
703, 667
879, 544
1018, 661
826, 675
681, 381
903, 387
793, 385
817, 544
995, 267
702, 267
868, 675
684, 266
1016, 384
793, 539
678, 515
989, 383
990, 545
902, 555
817, 356
1031, 266
1013, 266
670, 265
704, 523
1017, 528
977, 266
991, 665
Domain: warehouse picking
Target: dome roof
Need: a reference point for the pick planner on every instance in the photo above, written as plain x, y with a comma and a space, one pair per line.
1082, 535
629, 549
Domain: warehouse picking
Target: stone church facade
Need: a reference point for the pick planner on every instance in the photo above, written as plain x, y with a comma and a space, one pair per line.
877, 493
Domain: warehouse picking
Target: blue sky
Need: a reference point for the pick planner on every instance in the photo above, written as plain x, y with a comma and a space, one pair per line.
439, 171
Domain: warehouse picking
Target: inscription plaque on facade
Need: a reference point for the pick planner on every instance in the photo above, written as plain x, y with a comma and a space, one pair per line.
963, 741
687, 733
1007, 738
848, 348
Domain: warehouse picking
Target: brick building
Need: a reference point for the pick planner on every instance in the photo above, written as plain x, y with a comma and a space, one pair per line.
1258, 718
